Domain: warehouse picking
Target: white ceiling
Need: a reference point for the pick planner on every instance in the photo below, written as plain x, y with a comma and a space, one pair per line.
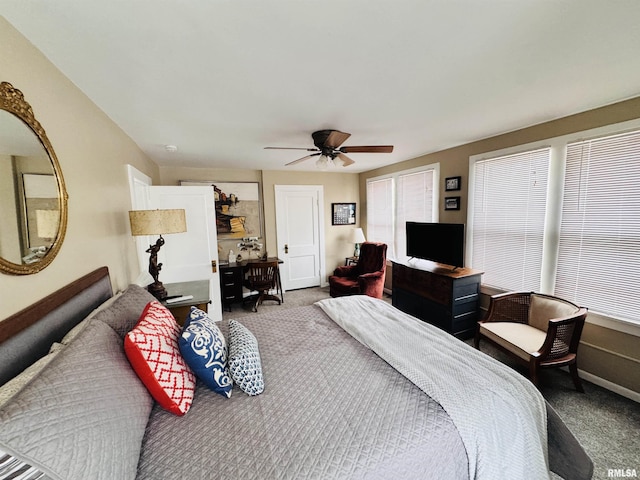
222, 79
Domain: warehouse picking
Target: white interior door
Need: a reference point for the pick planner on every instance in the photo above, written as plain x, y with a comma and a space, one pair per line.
188, 256
139, 184
300, 235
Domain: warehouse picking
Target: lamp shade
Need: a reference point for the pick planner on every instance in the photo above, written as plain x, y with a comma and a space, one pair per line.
357, 236
157, 222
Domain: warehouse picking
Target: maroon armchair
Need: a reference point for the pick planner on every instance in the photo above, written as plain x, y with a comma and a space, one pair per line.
365, 278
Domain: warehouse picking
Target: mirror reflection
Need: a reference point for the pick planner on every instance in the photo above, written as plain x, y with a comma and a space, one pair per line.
29, 204
32, 208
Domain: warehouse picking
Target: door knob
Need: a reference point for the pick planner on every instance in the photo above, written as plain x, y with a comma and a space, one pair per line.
286, 248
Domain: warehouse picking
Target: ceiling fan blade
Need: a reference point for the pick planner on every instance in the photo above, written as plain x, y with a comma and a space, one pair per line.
302, 159
368, 149
336, 138
291, 148
347, 161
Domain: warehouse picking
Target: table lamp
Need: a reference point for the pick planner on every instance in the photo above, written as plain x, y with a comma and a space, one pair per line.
357, 237
157, 222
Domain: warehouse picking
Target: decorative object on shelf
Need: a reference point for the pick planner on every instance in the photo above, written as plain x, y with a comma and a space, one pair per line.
452, 183
343, 214
357, 237
452, 203
238, 207
157, 222
250, 244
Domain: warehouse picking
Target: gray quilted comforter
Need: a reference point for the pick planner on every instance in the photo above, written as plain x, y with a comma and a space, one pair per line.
331, 409
500, 415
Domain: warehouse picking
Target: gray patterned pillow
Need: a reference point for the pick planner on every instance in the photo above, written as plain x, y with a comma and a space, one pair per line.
244, 359
123, 313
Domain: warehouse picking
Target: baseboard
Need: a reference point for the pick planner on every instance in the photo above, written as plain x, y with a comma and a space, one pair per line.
614, 387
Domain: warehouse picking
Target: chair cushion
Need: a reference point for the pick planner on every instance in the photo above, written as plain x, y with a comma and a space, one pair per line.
543, 309
344, 285
518, 338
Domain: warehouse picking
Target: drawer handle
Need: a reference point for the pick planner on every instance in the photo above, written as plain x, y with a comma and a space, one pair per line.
466, 296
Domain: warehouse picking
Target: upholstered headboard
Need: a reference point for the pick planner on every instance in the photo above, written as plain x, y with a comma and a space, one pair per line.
27, 335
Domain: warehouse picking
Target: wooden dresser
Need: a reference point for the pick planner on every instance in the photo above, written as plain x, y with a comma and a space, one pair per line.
434, 293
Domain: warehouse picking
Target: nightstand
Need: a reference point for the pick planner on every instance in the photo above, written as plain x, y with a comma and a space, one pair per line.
200, 291
350, 261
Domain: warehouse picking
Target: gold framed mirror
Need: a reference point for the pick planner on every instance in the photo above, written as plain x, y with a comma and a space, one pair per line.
33, 197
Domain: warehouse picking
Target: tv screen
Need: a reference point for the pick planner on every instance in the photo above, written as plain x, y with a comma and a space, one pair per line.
438, 242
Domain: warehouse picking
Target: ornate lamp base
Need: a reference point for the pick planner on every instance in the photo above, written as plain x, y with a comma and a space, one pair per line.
157, 290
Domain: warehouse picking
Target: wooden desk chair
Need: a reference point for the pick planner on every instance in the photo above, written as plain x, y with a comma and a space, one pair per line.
261, 277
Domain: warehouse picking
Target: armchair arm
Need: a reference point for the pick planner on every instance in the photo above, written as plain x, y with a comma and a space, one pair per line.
346, 271
563, 337
509, 307
370, 278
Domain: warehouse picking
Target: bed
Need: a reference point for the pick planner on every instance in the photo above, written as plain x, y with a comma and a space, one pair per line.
349, 393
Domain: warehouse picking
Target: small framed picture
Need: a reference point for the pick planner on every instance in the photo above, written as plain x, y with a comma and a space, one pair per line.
343, 214
452, 183
452, 203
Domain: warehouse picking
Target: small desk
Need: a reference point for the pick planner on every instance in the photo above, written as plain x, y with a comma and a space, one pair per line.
232, 276
200, 291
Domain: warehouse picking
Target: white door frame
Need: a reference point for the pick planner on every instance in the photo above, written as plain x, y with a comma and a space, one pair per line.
280, 241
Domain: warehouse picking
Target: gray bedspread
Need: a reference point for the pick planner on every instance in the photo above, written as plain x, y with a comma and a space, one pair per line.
500, 415
331, 409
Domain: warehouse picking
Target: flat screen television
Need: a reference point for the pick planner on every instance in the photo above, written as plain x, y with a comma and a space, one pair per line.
438, 242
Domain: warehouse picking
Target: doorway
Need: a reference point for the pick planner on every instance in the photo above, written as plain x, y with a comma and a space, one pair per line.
300, 235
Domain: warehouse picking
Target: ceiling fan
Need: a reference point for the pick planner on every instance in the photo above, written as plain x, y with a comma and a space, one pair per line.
328, 149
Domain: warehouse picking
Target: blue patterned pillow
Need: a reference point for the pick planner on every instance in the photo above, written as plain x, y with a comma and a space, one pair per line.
203, 347
244, 359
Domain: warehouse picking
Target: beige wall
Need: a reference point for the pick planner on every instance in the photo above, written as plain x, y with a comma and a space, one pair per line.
92, 152
606, 353
337, 187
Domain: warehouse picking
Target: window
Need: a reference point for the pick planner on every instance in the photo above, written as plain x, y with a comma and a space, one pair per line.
599, 252
392, 201
509, 199
563, 219
380, 212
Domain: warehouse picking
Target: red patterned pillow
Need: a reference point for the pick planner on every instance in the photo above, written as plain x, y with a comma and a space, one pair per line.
152, 350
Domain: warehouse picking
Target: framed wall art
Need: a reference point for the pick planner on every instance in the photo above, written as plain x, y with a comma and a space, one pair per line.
343, 214
452, 203
238, 208
452, 183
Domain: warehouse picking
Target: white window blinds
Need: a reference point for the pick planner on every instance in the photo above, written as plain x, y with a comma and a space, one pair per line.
509, 200
415, 204
380, 212
599, 251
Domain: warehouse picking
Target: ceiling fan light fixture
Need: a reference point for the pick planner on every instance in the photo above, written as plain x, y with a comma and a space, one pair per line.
322, 163
338, 162
331, 154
